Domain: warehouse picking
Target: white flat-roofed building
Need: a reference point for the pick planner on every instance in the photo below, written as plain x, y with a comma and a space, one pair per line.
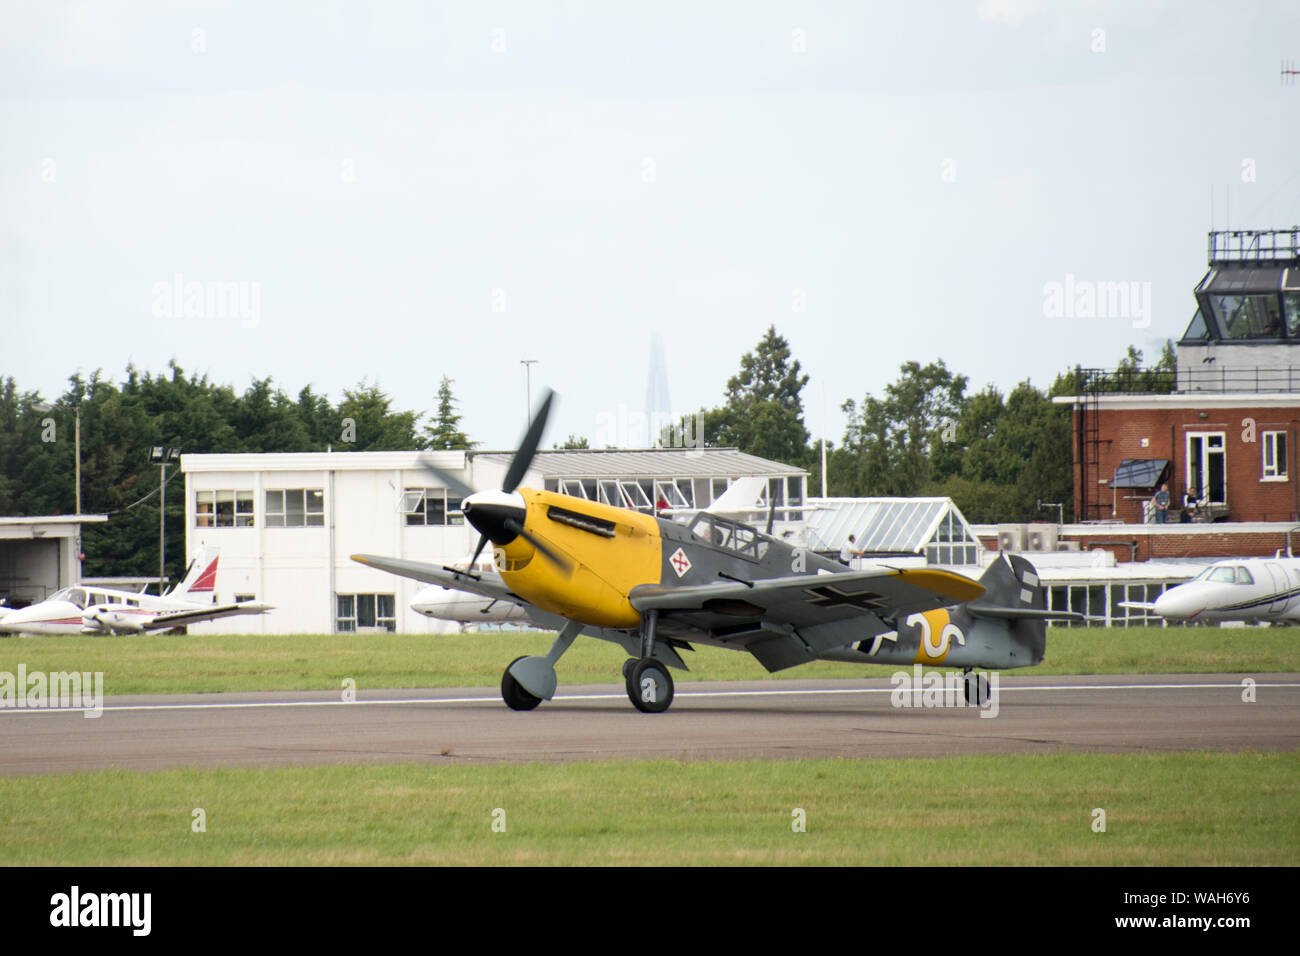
287, 524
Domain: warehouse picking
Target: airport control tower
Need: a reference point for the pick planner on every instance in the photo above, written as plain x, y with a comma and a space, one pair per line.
1224, 428
1246, 330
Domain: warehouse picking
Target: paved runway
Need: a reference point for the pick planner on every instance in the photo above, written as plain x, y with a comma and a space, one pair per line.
717, 720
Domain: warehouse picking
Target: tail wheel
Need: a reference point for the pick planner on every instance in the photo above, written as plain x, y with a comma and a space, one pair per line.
650, 686
977, 690
513, 693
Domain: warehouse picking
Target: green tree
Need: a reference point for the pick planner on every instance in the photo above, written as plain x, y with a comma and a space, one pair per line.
268, 421
899, 445
369, 423
763, 413
444, 431
319, 418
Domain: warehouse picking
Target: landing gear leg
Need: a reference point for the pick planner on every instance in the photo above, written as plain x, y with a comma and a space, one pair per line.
649, 685
530, 680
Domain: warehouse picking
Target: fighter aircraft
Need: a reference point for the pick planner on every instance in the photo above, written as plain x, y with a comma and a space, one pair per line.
448, 600
96, 610
1253, 590
657, 587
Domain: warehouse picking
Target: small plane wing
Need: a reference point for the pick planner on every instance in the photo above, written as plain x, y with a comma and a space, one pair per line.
1138, 605
471, 581
166, 619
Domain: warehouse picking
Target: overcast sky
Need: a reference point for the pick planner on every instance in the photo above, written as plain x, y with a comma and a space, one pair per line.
403, 191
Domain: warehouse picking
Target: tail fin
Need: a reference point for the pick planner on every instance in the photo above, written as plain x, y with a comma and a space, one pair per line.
1014, 595
740, 498
199, 585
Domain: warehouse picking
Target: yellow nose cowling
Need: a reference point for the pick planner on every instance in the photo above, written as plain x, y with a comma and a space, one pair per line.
604, 568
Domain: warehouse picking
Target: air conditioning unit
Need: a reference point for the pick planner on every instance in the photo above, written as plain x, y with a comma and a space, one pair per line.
1067, 545
1042, 537
1013, 537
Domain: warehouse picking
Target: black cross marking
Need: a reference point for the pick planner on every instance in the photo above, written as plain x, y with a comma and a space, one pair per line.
834, 597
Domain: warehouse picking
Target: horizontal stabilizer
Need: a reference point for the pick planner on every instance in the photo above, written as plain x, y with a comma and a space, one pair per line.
1022, 613
1137, 605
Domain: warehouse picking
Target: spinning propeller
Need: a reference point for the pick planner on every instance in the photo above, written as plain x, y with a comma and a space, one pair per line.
498, 516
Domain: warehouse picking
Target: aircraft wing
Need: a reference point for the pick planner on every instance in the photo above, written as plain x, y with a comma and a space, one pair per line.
789, 620
492, 587
1138, 605
473, 582
166, 619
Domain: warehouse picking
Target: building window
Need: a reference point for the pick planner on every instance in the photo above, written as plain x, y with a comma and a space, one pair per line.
1248, 316
223, 509
295, 508
431, 506
1207, 467
1275, 455
357, 611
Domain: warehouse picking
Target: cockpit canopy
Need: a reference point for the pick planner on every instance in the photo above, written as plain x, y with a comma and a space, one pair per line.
1225, 574
730, 535
84, 599
73, 595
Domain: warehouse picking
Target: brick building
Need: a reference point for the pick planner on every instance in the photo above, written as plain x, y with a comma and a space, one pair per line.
1237, 452
1223, 425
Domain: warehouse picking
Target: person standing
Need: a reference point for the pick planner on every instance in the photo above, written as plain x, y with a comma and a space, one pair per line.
1161, 503
848, 552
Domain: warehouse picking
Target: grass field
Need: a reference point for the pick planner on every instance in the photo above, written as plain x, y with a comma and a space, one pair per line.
1165, 809
152, 664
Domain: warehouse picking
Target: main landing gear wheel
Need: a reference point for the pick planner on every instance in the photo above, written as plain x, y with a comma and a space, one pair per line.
977, 690
513, 694
627, 669
650, 686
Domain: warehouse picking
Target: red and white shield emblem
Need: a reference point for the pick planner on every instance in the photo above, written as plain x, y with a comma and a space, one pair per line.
681, 564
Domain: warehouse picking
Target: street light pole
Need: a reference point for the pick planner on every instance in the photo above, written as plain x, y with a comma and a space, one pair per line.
160, 455
77, 440
528, 394
162, 529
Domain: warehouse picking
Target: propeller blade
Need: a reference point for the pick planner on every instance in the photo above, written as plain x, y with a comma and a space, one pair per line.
449, 481
528, 447
542, 547
477, 551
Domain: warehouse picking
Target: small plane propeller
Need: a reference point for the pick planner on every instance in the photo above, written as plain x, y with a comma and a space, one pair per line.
494, 514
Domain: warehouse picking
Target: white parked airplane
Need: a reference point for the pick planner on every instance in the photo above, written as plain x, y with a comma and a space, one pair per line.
93, 610
1237, 589
466, 608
